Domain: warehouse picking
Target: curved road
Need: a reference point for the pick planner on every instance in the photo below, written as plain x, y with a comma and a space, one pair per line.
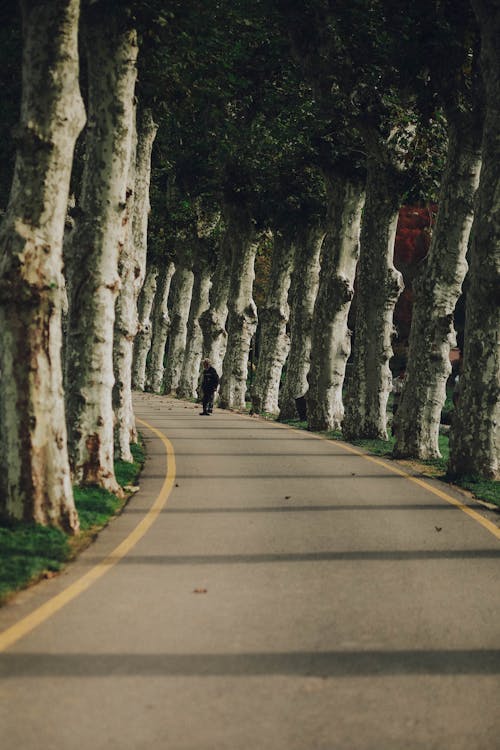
290, 595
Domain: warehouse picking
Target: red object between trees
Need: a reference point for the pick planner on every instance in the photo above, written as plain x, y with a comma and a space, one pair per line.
413, 237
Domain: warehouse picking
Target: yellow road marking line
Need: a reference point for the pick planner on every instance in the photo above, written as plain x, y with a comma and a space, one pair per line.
17, 631
489, 525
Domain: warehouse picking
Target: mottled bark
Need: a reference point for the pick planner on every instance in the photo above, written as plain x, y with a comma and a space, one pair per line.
179, 313
242, 312
436, 293
146, 135
124, 327
142, 343
93, 247
35, 483
378, 287
132, 269
160, 329
303, 291
330, 346
190, 373
475, 432
213, 320
273, 318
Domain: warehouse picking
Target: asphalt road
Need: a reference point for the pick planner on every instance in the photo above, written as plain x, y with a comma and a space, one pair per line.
290, 595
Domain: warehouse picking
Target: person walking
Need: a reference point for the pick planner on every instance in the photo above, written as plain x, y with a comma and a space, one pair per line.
209, 386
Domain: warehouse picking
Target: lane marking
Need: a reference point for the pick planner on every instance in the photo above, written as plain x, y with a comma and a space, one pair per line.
489, 525
17, 631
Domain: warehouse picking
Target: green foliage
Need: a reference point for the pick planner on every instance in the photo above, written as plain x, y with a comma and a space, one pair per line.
448, 407
238, 122
368, 61
10, 92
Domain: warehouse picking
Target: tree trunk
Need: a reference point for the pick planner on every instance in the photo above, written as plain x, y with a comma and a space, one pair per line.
92, 255
275, 342
213, 320
242, 312
160, 329
190, 374
436, 294
35, 483
330, 337
303, 291
142, 343
378, 287
475, 433
125, 320
132, 268
142, 207
181, 302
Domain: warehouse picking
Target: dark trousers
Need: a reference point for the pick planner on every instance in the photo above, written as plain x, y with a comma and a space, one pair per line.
208, 401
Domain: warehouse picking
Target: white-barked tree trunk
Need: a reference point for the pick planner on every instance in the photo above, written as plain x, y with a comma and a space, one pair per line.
190, 374
213, 320
475, 431
125, 320
303, 291
93, 246
179, 314
160, 328
242, 311
273, 320
378, 287
331, 345
132, 269
436, 292
142, 343
35, 483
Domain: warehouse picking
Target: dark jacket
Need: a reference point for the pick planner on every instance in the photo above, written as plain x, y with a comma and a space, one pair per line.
210, 380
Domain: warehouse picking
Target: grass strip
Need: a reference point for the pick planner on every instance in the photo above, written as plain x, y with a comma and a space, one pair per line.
30, 552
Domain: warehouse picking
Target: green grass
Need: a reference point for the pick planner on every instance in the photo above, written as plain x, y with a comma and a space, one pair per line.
95, 506
294, 423
29, 552
126, 473
485, 489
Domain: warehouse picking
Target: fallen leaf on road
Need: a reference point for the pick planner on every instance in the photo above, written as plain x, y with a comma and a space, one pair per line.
200, 591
